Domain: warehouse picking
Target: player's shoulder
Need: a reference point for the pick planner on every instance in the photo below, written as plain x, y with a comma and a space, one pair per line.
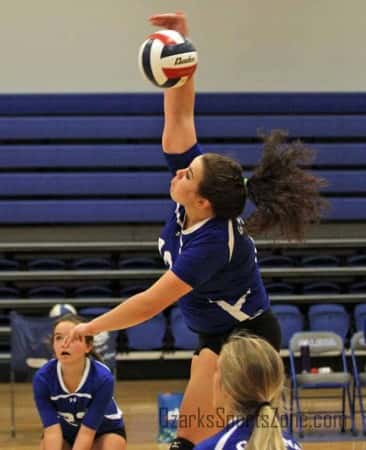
46, 373
49, 368
100, 370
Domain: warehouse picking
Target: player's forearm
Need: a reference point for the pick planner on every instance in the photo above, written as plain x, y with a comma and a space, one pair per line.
84, 439
133, 311
52, 438
179, 129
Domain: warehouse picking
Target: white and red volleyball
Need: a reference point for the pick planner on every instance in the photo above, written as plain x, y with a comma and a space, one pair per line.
167, 59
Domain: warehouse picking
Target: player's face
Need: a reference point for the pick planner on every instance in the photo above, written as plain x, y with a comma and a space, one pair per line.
74, 351
184, 186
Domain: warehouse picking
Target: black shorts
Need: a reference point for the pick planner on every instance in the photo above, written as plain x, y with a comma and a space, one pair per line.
265, 326
120, 431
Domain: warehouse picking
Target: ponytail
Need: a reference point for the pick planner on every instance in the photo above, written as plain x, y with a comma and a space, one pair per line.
267, 433
286, 196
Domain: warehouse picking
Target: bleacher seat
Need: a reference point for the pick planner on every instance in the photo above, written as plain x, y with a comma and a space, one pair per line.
358, 287
92, 291
276, 261
8, 264
148, 335
329, 317
9, 292
96, 263
357, 260
279, 287
76, 183
93, 311
46, 291
138, 263
184, 338
321, 287
132, 289
320, 261
291, 321
359, 316
46, 264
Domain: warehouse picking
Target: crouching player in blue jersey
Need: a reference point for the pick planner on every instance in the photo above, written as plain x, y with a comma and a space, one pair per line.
248, 384
211, 258
74, 396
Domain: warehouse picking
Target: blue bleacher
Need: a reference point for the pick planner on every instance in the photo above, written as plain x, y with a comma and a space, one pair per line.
96, 158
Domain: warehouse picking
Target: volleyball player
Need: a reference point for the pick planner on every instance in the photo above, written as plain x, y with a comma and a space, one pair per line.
213, 272
74, 397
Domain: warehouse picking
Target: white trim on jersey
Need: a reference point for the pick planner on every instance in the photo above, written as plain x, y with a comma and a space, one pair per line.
195, 226
177, 215
235, 309
225, 437
115, 416
72, 394
102, 364
83, 378
231, 241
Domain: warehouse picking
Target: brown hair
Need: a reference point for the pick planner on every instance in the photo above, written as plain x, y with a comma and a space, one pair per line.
74, 318
253, 376
286, 196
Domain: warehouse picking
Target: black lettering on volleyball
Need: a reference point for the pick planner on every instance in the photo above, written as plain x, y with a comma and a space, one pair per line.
179, 60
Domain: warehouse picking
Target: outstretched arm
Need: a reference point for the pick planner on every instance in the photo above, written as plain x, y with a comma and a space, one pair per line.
179, 132
138, 308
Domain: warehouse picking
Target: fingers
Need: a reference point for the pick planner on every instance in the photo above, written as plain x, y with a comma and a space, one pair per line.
73, 336
176, 21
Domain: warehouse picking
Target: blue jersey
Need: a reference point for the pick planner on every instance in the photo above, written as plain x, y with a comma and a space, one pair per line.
236, 435
219, 260
91, 404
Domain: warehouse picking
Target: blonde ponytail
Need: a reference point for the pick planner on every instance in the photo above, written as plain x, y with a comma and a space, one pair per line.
267, 432
253, 375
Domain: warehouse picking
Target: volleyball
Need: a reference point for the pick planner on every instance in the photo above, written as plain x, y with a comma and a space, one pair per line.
167, 59
60, 309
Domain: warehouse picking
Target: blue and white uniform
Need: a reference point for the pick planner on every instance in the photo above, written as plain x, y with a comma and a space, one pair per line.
236, 435
92, 404
218, 259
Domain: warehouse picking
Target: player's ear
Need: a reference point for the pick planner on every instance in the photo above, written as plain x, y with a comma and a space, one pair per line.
203, 203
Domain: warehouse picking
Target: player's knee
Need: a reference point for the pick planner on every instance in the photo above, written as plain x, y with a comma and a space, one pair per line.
181, 444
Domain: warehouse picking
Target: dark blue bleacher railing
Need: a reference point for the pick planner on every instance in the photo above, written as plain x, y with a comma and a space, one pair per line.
80, 158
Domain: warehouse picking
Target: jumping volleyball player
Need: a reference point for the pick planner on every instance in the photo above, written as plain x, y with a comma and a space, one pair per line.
213, 270
74, 396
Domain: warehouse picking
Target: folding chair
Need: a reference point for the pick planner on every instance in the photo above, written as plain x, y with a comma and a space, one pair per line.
184, 338
358, 345
325, 344
30, 347
291, 321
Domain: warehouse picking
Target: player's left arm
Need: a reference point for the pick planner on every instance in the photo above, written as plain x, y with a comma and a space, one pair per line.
137, 309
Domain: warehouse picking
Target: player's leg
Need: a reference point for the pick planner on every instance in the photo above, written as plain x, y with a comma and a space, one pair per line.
109, 441
197, 415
